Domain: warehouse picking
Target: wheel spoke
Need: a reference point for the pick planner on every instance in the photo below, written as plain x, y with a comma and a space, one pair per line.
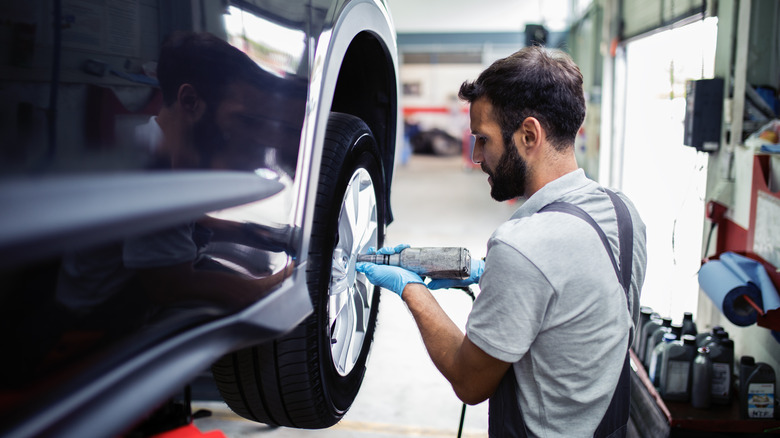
344, 331
366, 221
339, 273
347, 228
361, 305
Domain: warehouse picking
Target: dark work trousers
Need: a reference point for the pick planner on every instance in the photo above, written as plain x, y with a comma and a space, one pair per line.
505, 418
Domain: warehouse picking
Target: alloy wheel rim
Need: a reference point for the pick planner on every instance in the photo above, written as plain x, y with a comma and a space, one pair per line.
350, 293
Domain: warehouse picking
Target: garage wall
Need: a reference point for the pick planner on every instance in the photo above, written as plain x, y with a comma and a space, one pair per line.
729, 162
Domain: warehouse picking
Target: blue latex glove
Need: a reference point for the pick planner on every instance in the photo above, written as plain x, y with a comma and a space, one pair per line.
477, 267
387, 250
388, 277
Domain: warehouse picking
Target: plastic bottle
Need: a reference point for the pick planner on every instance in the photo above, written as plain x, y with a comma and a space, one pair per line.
677, 329
657, 336
746, 366
652, 324
722, 357
675, 382
689, 327
701, 380
656, 359
756, 390
644, 316
704, 338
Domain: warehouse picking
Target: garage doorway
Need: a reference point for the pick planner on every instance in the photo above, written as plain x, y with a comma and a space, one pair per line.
665, 179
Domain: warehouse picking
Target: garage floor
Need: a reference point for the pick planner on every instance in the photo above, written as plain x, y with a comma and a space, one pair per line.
437, 202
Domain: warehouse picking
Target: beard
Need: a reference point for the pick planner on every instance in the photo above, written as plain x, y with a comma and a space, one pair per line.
208, 139
509, 176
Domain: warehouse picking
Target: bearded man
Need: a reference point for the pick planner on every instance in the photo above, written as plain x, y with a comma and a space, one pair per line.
547, 339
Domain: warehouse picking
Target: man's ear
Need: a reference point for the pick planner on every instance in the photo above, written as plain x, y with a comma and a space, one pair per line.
532, 130
529, 135
190, 102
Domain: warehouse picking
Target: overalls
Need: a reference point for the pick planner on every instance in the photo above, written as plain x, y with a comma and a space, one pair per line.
505, 419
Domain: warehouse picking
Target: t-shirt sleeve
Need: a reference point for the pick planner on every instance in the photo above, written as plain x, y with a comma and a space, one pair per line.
168, 247
511, 307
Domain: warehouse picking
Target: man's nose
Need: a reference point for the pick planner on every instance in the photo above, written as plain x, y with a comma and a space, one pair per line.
476, 153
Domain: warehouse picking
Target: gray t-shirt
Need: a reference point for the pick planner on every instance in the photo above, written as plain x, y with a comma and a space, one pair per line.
551, 303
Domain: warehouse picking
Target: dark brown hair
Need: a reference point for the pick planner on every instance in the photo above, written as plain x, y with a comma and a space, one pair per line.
533, 82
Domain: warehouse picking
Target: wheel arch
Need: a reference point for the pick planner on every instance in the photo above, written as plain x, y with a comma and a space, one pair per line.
367, 87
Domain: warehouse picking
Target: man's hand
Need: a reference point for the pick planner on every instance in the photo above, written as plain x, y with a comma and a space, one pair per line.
477, 267
388, 277
387, 250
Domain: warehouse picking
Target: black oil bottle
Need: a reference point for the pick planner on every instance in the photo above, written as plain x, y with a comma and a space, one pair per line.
675, 383
722, 356
704, 338
656, 337
650, 326
657, 359
701, 394
644, 316
689, 327
757, 387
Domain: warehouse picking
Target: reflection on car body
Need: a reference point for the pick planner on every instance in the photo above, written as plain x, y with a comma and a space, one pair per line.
174, 183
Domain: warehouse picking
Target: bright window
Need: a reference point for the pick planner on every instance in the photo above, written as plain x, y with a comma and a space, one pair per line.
665, 179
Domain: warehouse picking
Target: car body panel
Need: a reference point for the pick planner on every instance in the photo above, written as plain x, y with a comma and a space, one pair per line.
77, 171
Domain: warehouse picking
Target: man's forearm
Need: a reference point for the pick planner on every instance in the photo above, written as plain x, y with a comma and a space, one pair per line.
473, 374
442, 338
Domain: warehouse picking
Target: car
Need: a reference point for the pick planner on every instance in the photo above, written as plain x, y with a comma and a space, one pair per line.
132, 259
436, 141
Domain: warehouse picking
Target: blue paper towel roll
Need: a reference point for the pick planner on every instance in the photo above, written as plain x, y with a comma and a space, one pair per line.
725, 288
726, 280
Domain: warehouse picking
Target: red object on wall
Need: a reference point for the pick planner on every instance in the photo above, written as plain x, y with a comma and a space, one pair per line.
716, 211
103, 109
731, 237
409, 110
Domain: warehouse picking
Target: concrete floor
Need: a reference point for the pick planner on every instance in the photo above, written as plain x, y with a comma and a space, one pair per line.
436, 202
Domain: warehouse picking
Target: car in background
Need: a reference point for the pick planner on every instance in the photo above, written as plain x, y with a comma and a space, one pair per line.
435, 141
94, 345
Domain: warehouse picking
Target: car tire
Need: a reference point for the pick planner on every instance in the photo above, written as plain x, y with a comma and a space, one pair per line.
310, 377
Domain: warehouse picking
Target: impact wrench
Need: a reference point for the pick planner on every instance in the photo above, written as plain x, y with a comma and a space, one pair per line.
431, 262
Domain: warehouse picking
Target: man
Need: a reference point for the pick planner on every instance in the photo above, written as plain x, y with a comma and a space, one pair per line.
548, 335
